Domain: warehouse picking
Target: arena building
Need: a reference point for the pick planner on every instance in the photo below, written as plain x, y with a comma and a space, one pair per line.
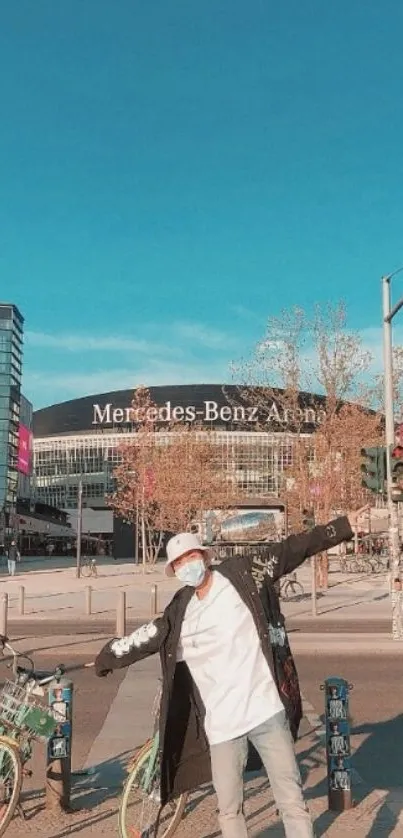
80, 439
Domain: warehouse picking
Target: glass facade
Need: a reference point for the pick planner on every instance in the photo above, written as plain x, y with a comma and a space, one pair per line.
11, 341
255, 462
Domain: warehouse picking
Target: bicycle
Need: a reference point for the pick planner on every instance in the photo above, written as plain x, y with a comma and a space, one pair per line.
23, 719
140, 812
89, 567
290, 587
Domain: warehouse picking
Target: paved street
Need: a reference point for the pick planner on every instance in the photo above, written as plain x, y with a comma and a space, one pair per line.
112, 716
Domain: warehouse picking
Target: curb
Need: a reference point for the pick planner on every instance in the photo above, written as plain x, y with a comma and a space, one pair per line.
349, 644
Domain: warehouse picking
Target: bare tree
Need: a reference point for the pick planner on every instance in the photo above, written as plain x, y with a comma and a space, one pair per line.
325, 475
133, 497
167, 478
301, 355
377, 391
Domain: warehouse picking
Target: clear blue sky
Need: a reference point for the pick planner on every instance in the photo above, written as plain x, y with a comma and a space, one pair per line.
173, 172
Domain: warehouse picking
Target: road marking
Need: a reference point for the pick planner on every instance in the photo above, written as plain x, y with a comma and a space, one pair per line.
128, 723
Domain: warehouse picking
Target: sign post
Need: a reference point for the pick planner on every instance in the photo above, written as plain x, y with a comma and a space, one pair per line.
58, 773
338, 750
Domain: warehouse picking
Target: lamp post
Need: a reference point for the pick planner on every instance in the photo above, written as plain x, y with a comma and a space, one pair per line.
394, 545
79, 528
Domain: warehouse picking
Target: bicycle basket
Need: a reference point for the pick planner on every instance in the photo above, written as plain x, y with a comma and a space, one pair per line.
23, 712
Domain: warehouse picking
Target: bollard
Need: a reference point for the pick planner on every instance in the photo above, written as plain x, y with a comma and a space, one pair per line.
154, 601
338, 749
121, 615
58, 771
88, 600
22, 600
4, 615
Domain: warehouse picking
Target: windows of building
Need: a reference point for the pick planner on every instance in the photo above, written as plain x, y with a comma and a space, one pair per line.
254, 461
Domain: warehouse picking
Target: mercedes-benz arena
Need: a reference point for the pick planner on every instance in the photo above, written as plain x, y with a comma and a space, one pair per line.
81, 438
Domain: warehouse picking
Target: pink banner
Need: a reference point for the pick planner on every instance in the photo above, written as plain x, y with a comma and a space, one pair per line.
24, 450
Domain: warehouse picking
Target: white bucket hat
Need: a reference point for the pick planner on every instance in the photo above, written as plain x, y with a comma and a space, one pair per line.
180, 544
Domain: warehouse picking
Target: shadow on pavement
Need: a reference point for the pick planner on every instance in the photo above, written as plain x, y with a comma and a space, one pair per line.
92, 822
378, 758
91, 790
97, 784
387, 774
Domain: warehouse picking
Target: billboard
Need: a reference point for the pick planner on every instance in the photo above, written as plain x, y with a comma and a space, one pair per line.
24, 450
242, 525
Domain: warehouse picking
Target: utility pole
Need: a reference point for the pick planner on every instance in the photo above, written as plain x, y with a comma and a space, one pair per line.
136, 543
144, 541
394, 545
79, 527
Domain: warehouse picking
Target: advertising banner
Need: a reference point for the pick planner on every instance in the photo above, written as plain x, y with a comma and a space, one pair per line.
242, 525
24, 450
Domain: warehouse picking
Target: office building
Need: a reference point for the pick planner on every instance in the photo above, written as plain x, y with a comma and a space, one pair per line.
11, 343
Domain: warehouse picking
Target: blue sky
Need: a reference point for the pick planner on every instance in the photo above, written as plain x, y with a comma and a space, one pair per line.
174, 172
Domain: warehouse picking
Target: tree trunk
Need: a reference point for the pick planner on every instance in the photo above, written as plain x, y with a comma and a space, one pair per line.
322, 571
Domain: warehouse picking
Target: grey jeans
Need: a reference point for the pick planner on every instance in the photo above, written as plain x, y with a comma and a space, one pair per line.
273, 742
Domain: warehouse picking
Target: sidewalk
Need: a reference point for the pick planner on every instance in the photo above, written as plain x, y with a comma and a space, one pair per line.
56, 592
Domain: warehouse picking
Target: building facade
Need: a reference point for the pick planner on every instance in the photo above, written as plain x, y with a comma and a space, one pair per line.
11, 344
79, 440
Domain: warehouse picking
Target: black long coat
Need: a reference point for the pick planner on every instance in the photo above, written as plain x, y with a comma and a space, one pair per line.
184, 750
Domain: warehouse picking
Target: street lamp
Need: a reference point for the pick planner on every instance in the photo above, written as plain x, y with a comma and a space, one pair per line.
79, 527
394, 545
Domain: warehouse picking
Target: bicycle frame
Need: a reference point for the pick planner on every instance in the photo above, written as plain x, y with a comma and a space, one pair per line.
151, 763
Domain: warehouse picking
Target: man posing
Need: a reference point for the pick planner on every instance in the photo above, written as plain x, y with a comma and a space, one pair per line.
229, 679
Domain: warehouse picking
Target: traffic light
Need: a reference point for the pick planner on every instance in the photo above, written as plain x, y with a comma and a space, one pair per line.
396, 459
374, 469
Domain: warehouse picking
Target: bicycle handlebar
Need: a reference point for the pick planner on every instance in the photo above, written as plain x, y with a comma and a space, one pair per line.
55, 675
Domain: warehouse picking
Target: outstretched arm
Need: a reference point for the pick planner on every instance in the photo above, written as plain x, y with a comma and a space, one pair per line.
289, 554
286, 556
123, 651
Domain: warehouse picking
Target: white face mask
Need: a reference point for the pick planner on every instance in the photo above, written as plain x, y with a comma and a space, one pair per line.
192, 573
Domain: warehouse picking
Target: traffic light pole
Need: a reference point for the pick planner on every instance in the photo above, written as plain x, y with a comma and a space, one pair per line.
394, 545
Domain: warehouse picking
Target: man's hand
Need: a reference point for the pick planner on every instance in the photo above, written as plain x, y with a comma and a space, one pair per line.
355, 517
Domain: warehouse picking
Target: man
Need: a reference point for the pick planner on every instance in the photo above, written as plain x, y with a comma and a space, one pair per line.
337, 708
338, 744
12, 557
228, 674
340, 775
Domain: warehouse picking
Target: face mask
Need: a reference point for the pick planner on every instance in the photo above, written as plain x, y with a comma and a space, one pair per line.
192, 573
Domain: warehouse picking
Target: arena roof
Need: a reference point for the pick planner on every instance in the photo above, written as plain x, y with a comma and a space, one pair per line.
214, 405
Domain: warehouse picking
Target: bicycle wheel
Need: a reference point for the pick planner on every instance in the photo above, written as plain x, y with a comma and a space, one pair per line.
353, 566
10, 782
140, 814
86, 570
296, 588
285, 590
